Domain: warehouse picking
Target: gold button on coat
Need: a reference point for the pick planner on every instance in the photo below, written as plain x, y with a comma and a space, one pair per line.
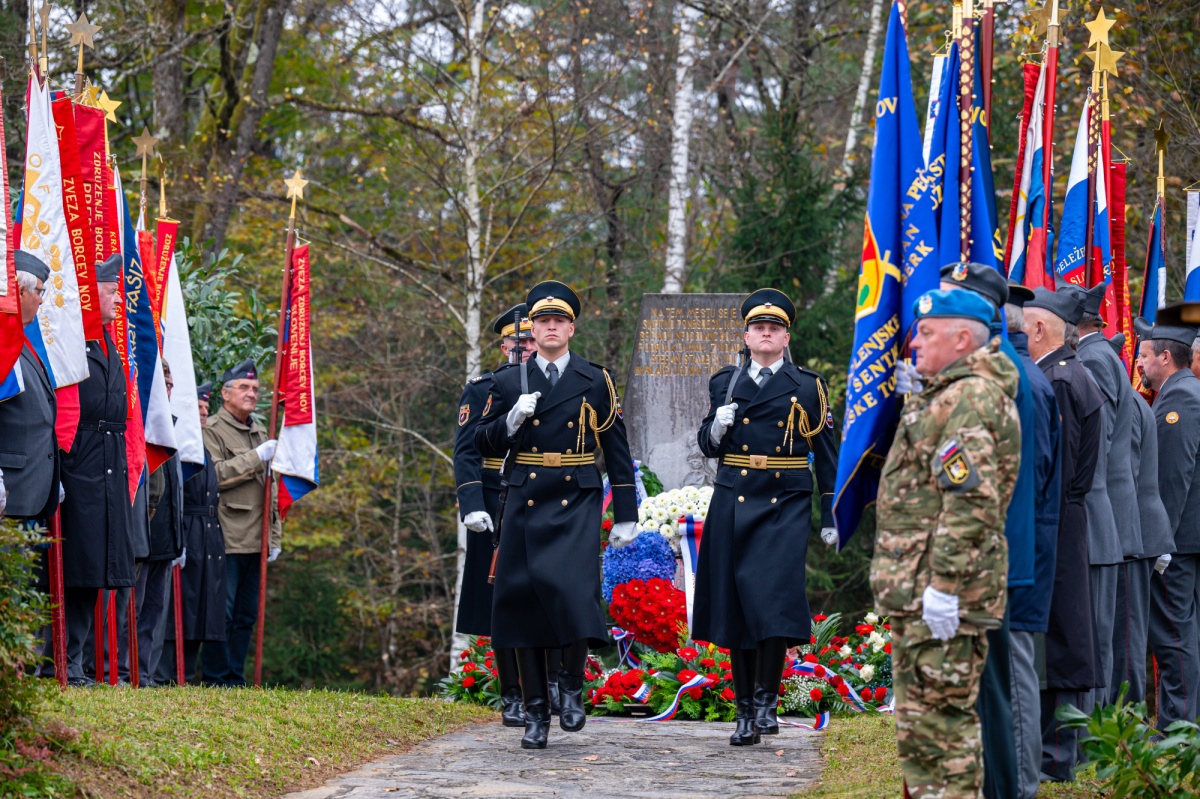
746, 420
567, 478
746, 447
741, 499
772, 500
564, 503
533, 475
570, 424
530, 502
536, 422
744, 472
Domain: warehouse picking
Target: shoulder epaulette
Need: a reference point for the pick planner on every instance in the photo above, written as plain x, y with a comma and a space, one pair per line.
502, 367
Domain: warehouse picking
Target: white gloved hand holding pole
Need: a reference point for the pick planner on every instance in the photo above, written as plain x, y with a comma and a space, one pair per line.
273, 553
3, 493
829, 535
1162, 563
908, 379
522, 409
478, 521
266, 450
722, 421
181, 561
940, 613
623, 534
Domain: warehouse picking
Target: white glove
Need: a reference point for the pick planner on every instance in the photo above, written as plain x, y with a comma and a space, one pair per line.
62, 494
266, 450
722, 421
181, 561
623, 534
273, 553
908, 379
941, 613
525, 406
478, 521
1162, 563
3, 493
829, 535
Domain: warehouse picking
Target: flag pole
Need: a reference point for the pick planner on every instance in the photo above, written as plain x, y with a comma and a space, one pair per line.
58, 615
145, 149
295, 191
1051, 67
82, 33
987, 42
965, 34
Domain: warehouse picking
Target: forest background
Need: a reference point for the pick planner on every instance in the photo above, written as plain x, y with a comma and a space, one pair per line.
459, 151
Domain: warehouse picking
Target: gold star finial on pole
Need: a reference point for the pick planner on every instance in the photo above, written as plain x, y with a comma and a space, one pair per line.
295, 190
1161, 137
1098, 29
145, 148
109, 105
82, 33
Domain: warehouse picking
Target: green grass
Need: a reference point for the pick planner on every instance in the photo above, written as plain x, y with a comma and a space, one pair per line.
861, 763
204, 742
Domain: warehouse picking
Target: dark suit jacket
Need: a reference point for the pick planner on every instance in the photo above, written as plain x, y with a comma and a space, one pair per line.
28, 446
1177, 412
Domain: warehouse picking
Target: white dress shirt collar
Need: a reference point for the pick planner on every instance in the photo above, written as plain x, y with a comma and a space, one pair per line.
561, 363
754, 369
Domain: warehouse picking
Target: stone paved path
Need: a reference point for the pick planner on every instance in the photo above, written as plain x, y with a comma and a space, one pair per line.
617, 760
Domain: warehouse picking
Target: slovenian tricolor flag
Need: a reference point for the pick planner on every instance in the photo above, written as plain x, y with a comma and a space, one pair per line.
295, 459
1027, 263
1154, 286
1191, 286
1072, 235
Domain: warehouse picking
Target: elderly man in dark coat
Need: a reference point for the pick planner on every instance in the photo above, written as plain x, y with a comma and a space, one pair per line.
202, 576
1029, 605
96, 514
1114, 526
1164, 360
29, 453
768, 420
553, 412
1072, 653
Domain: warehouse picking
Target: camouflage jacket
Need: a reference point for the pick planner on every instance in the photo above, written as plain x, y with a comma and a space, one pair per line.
944, 491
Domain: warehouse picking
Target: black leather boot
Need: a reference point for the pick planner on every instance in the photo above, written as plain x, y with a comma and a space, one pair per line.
743, 663
553, 666
537, 723
766, 684
572, 714
531, 663
512, 710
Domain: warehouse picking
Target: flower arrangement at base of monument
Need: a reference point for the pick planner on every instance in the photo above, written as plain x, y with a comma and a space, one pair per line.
663, 512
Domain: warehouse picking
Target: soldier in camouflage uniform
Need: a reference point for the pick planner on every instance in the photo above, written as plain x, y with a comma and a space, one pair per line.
941, 559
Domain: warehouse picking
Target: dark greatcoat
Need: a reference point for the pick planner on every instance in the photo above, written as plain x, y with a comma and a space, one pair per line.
202, 579
547, 590
29, 454
478, 489
1177, 413
1029, 606
97, 514
750, 578
1072, 657
166, 526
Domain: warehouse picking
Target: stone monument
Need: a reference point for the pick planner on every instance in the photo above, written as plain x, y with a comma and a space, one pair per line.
682, 339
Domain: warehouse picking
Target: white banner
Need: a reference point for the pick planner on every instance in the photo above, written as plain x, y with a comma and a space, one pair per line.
177, 349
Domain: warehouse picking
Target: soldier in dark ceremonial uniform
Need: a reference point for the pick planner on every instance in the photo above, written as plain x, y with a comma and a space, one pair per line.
1072, 651
202, 576
29, 455
1164, 360
770, 432
97, 514
478, 480
553, 412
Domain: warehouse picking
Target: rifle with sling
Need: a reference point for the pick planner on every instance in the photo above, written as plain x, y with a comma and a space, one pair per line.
510, 460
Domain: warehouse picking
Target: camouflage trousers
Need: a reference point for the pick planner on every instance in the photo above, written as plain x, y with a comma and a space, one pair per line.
937, 729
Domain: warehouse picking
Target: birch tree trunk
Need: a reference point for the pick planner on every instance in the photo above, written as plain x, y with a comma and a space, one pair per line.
475, 263
681, 130
864, 85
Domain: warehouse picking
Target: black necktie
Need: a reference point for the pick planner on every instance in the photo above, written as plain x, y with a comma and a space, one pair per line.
764, 375
552, 374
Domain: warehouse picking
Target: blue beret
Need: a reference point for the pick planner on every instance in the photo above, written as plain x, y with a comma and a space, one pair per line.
953, 304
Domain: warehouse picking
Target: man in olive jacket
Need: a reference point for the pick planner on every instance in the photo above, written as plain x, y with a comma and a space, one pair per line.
241, 454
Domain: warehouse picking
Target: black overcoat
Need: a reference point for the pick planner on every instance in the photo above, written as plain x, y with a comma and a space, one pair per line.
547, 590
1177, 414
202, 579
750, 579
29, 452
478, 489
97, 513
1072, 657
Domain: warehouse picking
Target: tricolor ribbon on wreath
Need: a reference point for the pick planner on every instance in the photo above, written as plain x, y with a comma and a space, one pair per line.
699, 681
624, 641
691, 530
638, 486
827, 674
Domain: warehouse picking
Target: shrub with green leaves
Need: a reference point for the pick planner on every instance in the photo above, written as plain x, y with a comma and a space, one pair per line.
1133, 758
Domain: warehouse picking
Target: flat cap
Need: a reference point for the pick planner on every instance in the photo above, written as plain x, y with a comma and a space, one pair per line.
1092, 299
952, 304
204, 391
109, 270
1018, 295
246, 370
1066, 305
30, 263
983, 280
504, 324
1163, 330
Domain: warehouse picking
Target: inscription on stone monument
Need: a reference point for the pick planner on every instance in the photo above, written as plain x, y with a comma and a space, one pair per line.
682, 339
